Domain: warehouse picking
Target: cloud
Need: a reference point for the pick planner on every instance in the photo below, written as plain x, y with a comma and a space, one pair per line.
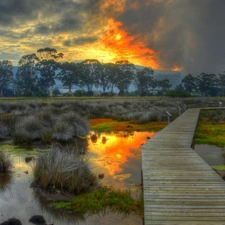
163, 34
80, 41
188, 34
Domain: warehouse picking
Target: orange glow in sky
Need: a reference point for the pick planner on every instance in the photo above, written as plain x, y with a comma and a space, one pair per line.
118, 45
176, 68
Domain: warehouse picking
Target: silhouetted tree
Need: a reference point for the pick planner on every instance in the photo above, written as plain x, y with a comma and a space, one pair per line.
26, 76
6, 75
221, 83
206, 84
105, 75
165, 85
49, 54
47, 73
124, 76
189, 83
143, 79
69, 74
89, 69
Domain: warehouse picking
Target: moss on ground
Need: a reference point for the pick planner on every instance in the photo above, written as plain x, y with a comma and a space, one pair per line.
219, 167
101, 199
210, 128
101, 124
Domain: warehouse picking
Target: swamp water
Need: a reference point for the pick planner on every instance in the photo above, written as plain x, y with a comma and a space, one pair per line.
117, 156
211, 154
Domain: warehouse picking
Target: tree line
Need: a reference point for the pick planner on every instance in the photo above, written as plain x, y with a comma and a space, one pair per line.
37, 72
205, 84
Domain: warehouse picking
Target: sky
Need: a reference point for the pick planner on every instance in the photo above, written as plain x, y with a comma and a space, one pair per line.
187, 35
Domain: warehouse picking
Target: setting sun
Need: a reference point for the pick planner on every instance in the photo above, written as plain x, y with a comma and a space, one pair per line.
118, 37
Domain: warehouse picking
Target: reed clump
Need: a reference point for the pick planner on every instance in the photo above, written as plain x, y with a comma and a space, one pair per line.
5, 162
63, 170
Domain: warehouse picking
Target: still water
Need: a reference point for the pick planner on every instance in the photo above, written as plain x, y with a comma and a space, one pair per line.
117, 157
211, 154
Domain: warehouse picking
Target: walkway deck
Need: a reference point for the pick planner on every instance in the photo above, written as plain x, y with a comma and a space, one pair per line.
179, 187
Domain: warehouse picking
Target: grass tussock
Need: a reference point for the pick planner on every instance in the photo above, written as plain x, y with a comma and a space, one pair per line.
102, 199
5, 162
46, 127
63, 170
64, 120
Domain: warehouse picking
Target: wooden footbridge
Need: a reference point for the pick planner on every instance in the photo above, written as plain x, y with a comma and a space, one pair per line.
179, 187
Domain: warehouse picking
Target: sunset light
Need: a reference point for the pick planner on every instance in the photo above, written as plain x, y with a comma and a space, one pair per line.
148, 33
117, 151
118, 37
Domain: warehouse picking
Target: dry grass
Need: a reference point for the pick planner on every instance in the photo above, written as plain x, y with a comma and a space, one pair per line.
5, 162
63, 170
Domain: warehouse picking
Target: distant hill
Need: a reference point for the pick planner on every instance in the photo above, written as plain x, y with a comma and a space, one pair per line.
174, 77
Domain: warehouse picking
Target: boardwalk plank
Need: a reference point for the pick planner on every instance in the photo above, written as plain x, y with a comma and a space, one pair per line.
179, 187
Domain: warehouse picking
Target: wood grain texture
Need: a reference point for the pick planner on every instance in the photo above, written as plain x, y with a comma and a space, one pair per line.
179, 187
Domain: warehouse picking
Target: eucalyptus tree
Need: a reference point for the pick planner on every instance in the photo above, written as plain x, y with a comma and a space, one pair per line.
106, 76
189, 83
154, 84
69, 74
47, 67
165, 85
221, 83
143, 79
89, 70
124, 76
207, 84
27, 76
6, 75
49, 54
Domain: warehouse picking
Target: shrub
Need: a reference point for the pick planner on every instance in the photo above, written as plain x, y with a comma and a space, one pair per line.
176, 93
63, 170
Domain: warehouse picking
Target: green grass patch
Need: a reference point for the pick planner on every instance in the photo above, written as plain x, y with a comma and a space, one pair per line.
61, 205
211, 128
114, 125
101, 199
219, 167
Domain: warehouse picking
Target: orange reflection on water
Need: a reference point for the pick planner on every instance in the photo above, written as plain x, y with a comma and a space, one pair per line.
112, 151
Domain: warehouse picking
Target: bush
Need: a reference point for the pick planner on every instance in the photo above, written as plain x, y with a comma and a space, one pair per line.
63, 170
177, 93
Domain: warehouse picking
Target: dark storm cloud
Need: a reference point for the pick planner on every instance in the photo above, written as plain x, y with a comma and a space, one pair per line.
187, 33
68, 14
80, 41
14, 11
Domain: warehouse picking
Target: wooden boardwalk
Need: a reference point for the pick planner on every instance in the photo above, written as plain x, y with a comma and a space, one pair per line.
179, 187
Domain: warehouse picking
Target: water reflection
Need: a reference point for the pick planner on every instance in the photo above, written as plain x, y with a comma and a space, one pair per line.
117, 156
5, 182
211, 154
56, 216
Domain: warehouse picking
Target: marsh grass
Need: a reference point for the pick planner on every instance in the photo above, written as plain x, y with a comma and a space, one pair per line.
64, 120
210, 128
103, 199
28, 129
116, 126
63, 170
5, 162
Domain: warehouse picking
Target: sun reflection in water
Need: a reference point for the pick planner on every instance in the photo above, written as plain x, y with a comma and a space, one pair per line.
117, 154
